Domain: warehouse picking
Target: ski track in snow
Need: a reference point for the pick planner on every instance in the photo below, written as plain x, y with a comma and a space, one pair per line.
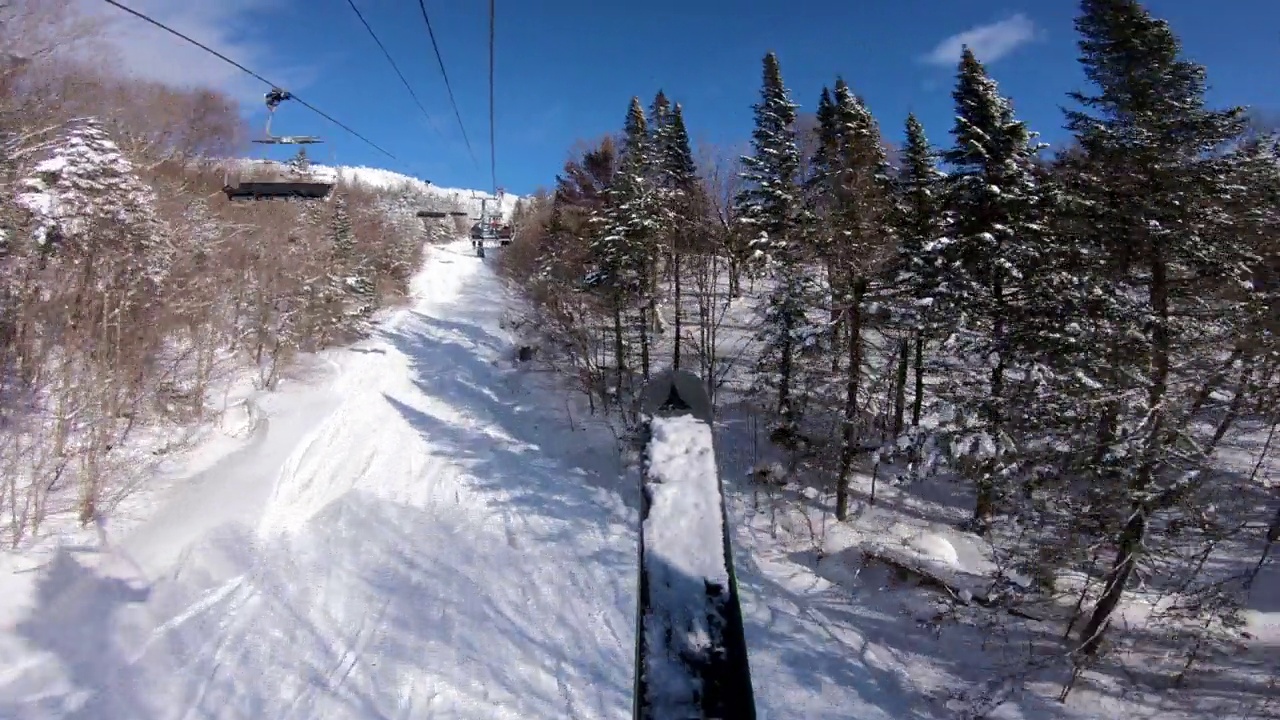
418, 536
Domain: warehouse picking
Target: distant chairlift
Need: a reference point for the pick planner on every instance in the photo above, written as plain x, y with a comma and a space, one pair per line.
301, 189
489, 226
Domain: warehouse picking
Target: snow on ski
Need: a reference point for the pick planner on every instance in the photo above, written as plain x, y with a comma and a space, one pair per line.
691, 659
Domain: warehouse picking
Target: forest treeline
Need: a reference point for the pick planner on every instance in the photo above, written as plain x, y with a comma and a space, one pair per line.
1078, 335
131, 289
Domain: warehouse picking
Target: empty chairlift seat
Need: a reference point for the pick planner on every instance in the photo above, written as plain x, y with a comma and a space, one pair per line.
277, 189
273, 184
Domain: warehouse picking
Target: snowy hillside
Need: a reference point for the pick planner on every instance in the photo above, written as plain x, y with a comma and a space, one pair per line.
381, 179
468, 200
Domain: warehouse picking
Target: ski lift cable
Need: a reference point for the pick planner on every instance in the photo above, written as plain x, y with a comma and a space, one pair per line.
493, 147
426, 18
224, 58
395, 67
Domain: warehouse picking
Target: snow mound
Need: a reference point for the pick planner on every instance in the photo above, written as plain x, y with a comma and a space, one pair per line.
238, 419
934, 547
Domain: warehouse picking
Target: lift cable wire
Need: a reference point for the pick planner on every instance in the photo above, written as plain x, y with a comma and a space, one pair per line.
226, 59
493, 162
431, 121
447, 86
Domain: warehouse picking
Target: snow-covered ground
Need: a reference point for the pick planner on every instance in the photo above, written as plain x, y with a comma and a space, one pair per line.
420, 527
860, 580
420, 531
468, 200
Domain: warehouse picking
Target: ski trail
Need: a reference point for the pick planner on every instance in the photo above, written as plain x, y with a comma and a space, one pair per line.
414, 537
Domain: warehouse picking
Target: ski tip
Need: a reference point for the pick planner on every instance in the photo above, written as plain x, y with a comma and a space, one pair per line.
676, 392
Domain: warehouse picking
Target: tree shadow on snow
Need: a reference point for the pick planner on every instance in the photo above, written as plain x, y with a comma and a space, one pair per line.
478, 637
74, 620
882, 649
447, 365
552, 484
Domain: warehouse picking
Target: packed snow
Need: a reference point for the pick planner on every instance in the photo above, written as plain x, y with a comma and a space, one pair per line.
402, 539
684, 557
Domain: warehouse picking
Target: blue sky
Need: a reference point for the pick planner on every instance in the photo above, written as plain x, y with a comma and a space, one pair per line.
566, 69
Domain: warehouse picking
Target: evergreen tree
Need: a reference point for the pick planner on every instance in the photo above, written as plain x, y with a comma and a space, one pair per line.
919, 224
341, 234
1150, 186
819, 194
352, 293
993, 229
769, 207
659, 121
769, 204
86, 199
861, 239
822, 166
300, 163
683, 206
677, 158
627, 220
623, 250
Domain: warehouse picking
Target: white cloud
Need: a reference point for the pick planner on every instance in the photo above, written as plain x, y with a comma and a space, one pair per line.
988, 42
145, 51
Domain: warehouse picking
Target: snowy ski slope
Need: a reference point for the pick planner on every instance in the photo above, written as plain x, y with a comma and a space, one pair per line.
418, 534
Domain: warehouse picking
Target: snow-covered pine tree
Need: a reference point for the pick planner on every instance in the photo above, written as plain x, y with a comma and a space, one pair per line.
300, 163
822, 165
1172, 275
1257, 211
89, 207
684, 207
819, 194
351, 293
992, 204
861, 241
580, 197
623, 248
918, 222
769, 206
658, 126
96, 226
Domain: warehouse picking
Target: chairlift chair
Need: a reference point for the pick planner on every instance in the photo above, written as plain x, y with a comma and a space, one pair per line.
432, 214
279, 189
